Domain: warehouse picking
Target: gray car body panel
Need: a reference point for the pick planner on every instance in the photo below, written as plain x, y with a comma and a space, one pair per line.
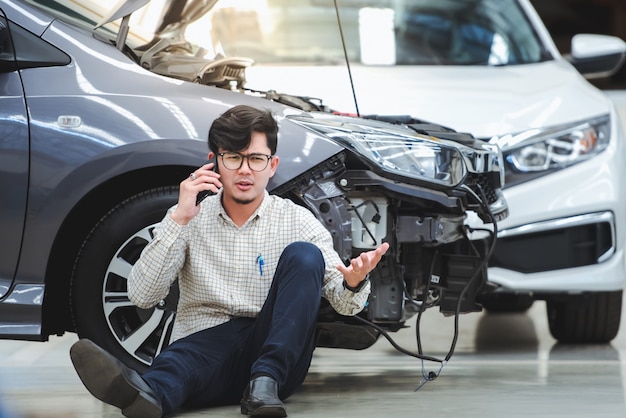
74, 105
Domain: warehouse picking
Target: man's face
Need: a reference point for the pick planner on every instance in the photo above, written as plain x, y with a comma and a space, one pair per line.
244, 186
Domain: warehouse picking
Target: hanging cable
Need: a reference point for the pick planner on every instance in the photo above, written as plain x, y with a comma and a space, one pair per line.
432, 375
375, 219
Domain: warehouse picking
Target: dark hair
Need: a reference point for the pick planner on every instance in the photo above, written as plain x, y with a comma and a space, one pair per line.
233, 130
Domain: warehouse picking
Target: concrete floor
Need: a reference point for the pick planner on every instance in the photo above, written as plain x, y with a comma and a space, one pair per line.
504, 365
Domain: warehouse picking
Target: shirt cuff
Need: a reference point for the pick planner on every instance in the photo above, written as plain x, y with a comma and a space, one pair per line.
358, 287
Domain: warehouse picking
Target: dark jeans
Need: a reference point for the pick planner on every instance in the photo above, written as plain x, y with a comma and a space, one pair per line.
213, 366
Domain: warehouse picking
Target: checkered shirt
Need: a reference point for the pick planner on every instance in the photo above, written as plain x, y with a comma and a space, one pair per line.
217, 263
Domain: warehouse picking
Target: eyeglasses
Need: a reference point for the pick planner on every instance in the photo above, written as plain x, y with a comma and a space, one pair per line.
234, 160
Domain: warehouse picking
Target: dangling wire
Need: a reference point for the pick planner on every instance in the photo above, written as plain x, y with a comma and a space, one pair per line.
363, 223
428, 376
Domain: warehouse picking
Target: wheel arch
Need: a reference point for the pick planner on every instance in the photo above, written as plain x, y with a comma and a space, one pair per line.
56, 310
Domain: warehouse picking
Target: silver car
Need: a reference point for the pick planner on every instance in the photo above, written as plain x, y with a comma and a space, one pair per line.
98, 125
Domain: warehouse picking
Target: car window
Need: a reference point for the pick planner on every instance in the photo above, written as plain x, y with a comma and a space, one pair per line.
6, 45
32, 51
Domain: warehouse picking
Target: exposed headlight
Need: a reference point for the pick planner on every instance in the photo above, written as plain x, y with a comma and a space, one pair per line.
395, 149
537, 152
413, 157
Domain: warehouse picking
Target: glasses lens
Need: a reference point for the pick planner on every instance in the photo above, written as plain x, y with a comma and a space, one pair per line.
256, 162
231, 160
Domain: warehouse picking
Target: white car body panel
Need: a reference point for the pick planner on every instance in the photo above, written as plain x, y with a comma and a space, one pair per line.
489, 102
485, 101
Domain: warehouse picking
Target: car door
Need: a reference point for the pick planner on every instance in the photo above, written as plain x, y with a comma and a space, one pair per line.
14, 153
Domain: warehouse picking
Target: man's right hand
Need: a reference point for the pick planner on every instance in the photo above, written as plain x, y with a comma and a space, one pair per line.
204, 178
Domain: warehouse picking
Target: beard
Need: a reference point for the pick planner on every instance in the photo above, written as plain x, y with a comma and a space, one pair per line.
243, 201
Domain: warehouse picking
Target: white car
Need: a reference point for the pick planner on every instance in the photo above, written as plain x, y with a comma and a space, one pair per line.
490, 68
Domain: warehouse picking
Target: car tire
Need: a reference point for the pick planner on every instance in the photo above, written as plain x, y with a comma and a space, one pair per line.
588, 318
101, 309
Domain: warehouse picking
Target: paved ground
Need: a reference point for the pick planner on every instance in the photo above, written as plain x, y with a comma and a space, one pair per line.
504, 366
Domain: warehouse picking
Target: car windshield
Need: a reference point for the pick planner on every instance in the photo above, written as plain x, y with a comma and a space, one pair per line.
409, 32
375, 32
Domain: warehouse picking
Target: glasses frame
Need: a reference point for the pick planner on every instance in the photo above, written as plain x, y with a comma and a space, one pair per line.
245, 157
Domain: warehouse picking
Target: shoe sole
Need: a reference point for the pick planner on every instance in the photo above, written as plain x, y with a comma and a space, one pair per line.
143, 407
102, 375
266, 411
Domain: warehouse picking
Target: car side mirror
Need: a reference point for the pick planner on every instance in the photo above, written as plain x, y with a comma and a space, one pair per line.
596, 56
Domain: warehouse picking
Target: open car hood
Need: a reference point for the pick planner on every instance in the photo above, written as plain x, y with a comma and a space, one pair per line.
175, 17
168, 53
122, 9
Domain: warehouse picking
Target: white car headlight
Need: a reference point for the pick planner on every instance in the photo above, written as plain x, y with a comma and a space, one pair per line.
537, 152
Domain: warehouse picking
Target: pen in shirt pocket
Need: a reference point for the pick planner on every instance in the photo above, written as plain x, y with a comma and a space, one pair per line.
260, 262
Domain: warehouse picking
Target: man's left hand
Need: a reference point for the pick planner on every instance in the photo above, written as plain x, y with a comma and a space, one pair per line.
360, 266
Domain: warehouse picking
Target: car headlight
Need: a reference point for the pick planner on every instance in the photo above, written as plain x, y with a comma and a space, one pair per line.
394, 148
537, 152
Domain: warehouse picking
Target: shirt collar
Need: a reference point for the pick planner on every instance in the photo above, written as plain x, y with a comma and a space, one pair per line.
258, 213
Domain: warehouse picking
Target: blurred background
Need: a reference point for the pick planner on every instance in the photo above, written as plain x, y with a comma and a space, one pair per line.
565, 18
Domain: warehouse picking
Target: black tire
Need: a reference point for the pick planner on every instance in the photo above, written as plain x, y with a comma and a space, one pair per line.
101, 309
506, 302
588, 318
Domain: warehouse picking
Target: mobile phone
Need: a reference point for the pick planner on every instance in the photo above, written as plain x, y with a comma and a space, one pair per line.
206, 193
203, 195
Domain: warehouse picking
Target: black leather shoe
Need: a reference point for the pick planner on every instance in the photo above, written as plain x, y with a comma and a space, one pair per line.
261, 398
109, 380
